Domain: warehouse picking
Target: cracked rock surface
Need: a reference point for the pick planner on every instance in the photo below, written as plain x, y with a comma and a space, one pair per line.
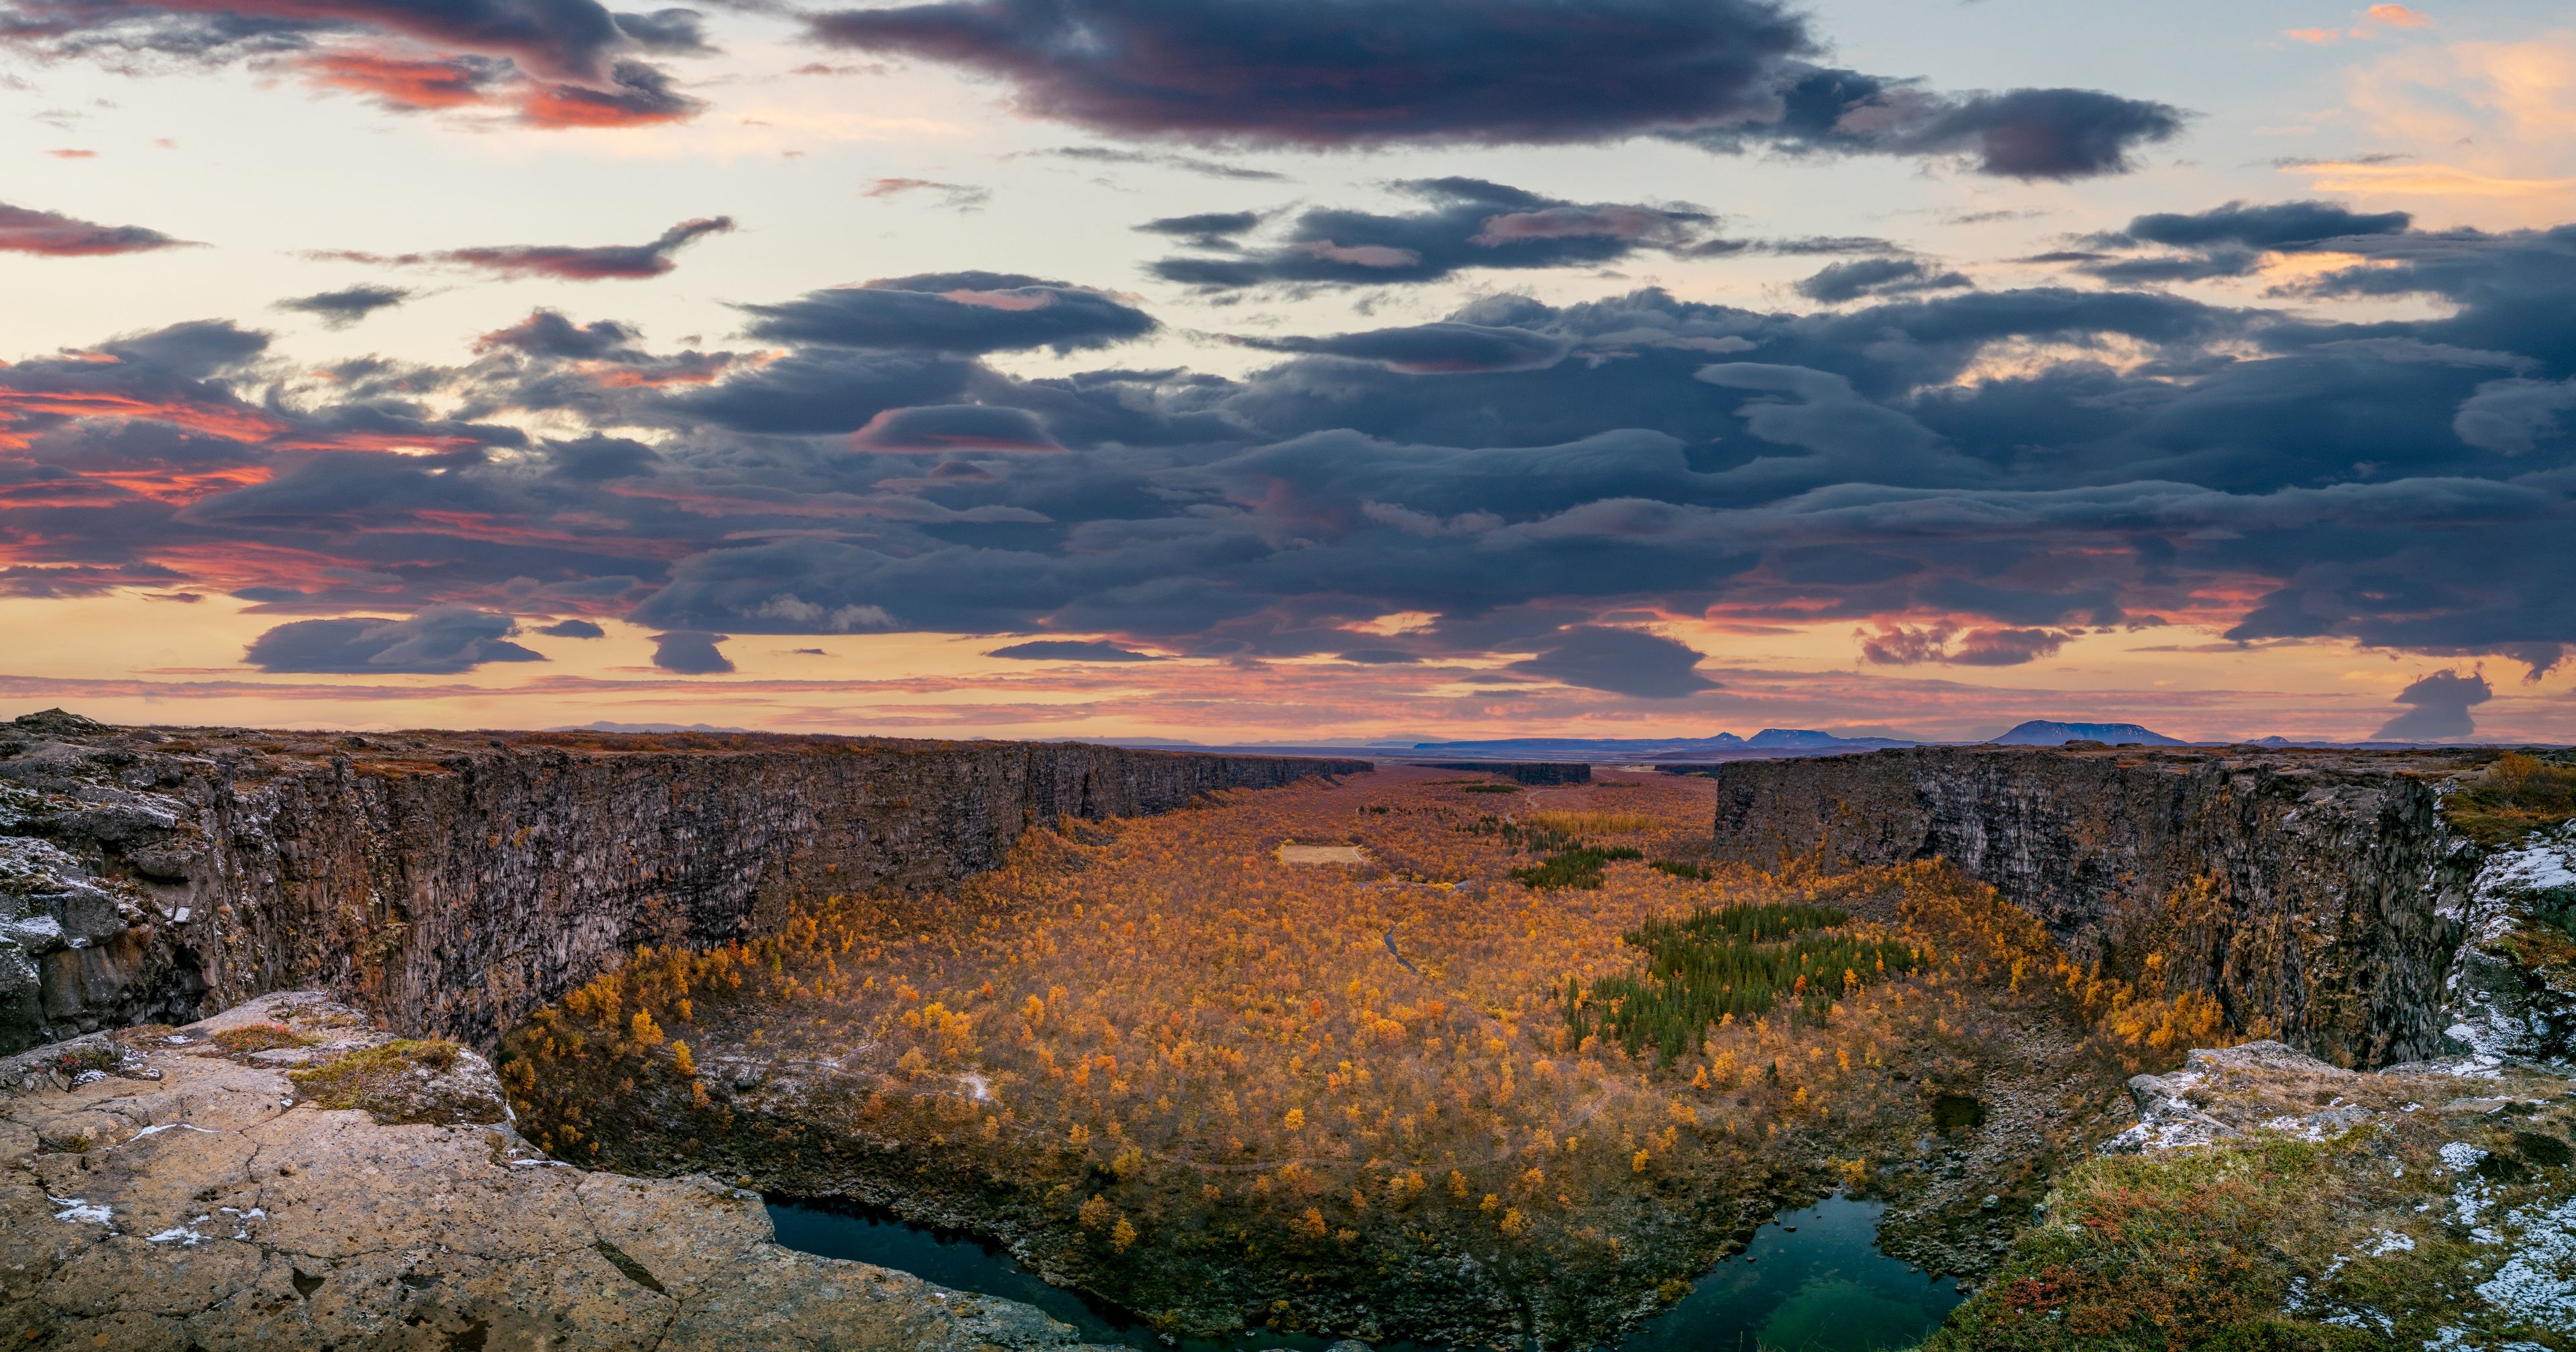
168, 1188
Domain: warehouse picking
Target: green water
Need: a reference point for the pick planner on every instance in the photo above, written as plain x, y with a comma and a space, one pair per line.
1811, 1281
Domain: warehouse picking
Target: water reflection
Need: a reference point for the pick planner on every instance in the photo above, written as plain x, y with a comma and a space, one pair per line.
1812, 1281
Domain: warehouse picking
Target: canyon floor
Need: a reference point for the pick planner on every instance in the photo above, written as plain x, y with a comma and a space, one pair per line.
1386, 1094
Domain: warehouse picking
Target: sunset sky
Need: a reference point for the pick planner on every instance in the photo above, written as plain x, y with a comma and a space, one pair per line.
1263, 370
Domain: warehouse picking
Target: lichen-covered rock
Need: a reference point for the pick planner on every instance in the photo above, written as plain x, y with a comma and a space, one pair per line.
2512, 991
454, 882
188, 1198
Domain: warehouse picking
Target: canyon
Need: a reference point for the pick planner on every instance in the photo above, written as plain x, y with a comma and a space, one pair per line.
474, 885
453, 882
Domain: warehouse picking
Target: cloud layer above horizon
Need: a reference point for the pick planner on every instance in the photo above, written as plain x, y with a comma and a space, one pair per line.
2277, 421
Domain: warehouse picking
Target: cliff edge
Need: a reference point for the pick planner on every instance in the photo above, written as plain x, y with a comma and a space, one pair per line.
451, 882
284, 1175
2319, 897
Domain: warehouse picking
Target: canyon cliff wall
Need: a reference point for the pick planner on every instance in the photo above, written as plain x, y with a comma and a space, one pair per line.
2316, 895
452, 882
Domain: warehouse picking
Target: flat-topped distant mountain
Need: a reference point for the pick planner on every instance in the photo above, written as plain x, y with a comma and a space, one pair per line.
2042, 732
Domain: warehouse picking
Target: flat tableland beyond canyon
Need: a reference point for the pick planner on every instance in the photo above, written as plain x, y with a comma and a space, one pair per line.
2169, 1048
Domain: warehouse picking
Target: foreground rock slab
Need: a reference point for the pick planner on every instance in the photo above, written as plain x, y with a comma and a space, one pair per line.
174, 1188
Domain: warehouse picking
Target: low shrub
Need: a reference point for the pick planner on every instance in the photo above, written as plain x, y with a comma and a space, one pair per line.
2517, 795
259, 1037
384, 1080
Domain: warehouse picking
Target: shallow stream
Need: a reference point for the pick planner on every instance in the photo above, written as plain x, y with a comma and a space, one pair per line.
1811, 1281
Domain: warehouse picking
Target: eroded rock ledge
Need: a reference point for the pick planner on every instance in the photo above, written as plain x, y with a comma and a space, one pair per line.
169, 1188
454, 881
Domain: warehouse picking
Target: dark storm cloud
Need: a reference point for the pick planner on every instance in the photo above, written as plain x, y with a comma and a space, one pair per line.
53, 235
1838, 282
346, 306
1966, 477
2227, 241
1432, 349
1337, 73
2283, 225
2440, 709
557, 63
943, 428
1206, 229
674, 32
569, 262
691, 653
822, 392
545, 333
1622, 661
564, 39
1725, 74
573, 629
1469, 223
437, 641
2020, 133
959, 313
1070, 650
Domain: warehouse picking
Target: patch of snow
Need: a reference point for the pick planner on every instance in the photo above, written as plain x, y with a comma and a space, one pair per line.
159, 1127
2387, 1242
176, 1235
2538, 1283
2460, 1156
77, 1211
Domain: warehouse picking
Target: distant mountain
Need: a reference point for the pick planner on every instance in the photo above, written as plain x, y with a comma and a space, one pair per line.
1541, 748
2042, 732
1658, 748
603, 725
1810, 739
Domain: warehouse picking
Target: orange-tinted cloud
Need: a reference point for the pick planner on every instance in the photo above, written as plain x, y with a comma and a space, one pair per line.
2399, 16
637, 95
402, 83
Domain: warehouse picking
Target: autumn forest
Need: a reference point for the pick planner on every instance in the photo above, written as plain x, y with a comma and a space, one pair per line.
1411, 1054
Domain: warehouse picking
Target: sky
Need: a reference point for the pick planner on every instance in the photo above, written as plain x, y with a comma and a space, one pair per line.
1291, 370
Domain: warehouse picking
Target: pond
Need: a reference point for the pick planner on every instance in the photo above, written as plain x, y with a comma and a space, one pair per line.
1811, 1281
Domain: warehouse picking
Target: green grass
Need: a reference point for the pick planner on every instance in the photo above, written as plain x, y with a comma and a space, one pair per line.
1680, 869
1733, 960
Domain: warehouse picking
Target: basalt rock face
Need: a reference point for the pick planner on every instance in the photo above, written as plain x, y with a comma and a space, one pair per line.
1524, 772
452, 882
2316, 895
